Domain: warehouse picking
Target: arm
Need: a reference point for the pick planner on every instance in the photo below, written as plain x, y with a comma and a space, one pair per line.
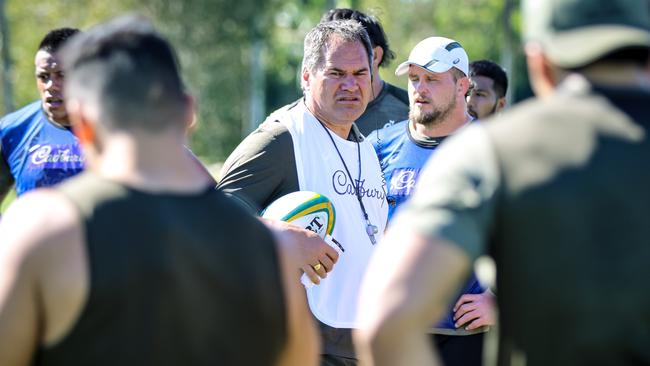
43, 278
307, 248
303, 345
395, 333
261, 169
19, 313
427, 252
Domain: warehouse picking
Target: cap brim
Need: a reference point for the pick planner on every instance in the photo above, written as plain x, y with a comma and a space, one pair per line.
437, 67
580, 47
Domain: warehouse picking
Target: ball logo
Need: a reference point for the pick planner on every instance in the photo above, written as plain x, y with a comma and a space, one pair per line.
306, 209
316, 225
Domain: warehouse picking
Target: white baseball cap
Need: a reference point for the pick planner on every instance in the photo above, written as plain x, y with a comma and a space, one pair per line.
436, 54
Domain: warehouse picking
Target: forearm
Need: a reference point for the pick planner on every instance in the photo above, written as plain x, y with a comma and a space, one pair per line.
407, 287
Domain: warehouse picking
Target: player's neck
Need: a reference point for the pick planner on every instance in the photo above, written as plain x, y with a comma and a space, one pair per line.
152, 165
377, 85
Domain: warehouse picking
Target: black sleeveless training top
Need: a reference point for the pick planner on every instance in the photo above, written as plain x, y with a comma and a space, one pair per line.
175, 279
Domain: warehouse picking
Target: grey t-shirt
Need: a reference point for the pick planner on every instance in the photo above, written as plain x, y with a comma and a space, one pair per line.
262, 168
389, 107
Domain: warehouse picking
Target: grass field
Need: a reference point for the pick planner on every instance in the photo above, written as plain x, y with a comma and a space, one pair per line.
10, 197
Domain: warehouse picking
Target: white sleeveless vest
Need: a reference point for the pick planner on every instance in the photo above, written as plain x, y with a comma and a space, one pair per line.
320, 169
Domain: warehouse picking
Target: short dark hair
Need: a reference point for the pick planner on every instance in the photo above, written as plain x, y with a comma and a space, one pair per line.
491, 70
129, 73
370, 24
55, 38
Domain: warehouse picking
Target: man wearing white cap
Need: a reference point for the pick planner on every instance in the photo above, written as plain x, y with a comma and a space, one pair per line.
437, 70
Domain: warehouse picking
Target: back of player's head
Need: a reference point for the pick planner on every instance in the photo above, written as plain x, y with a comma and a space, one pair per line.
129, 73
55, 38
370, 24
493, 71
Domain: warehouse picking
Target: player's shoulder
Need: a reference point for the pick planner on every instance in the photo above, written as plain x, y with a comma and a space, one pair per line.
389, 132
38, 219
22, 115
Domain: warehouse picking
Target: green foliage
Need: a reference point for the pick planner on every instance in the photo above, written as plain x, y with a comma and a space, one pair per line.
214, 37
28, 23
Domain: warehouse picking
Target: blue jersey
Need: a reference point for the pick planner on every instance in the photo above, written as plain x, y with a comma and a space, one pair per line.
38, 152
402, 156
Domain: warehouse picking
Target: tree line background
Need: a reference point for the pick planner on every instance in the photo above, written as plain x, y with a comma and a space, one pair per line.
240, 59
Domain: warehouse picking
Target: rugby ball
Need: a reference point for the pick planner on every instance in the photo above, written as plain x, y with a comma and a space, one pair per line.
306, 209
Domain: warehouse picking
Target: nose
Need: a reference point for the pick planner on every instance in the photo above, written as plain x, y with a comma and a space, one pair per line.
349, 82
420, 88
471, 101
54, 83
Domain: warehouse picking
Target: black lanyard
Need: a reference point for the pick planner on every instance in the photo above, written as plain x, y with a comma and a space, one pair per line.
371, 229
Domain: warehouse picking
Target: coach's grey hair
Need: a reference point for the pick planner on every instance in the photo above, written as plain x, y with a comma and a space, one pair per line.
318, 39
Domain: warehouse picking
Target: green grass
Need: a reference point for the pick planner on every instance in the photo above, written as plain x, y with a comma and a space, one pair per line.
11, 196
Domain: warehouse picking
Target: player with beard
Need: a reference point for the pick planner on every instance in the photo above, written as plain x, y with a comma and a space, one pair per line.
437, 70
38, 148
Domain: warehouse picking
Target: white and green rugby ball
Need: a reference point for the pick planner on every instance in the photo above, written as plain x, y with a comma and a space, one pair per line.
306, 209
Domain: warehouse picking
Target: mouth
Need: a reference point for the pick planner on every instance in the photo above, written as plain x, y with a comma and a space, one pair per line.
421, 101
54, 102
348, 99
472, 113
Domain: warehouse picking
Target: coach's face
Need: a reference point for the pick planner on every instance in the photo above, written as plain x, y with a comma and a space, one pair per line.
338, 90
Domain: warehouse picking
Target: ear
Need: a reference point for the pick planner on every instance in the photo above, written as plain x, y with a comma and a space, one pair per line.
304, 80
501, 103
462, 86
377, 54
190, 113
81, 125
542, 75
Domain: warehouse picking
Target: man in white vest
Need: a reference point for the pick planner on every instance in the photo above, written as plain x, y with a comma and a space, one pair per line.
315, 146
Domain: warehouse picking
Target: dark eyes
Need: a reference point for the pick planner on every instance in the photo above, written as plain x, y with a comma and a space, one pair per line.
340, 73
47, 76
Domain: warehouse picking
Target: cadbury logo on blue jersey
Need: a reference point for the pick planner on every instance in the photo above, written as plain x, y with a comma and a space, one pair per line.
402, 182
56, 157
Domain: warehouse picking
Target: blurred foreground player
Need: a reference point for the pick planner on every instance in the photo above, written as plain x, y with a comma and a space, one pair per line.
556, 190
139, 261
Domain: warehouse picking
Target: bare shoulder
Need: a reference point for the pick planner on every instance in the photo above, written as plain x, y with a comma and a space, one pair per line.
39, 218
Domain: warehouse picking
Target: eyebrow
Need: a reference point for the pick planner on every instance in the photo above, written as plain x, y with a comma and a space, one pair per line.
343, 71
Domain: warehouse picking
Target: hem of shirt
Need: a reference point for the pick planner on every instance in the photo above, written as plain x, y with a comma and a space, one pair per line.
458, 332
